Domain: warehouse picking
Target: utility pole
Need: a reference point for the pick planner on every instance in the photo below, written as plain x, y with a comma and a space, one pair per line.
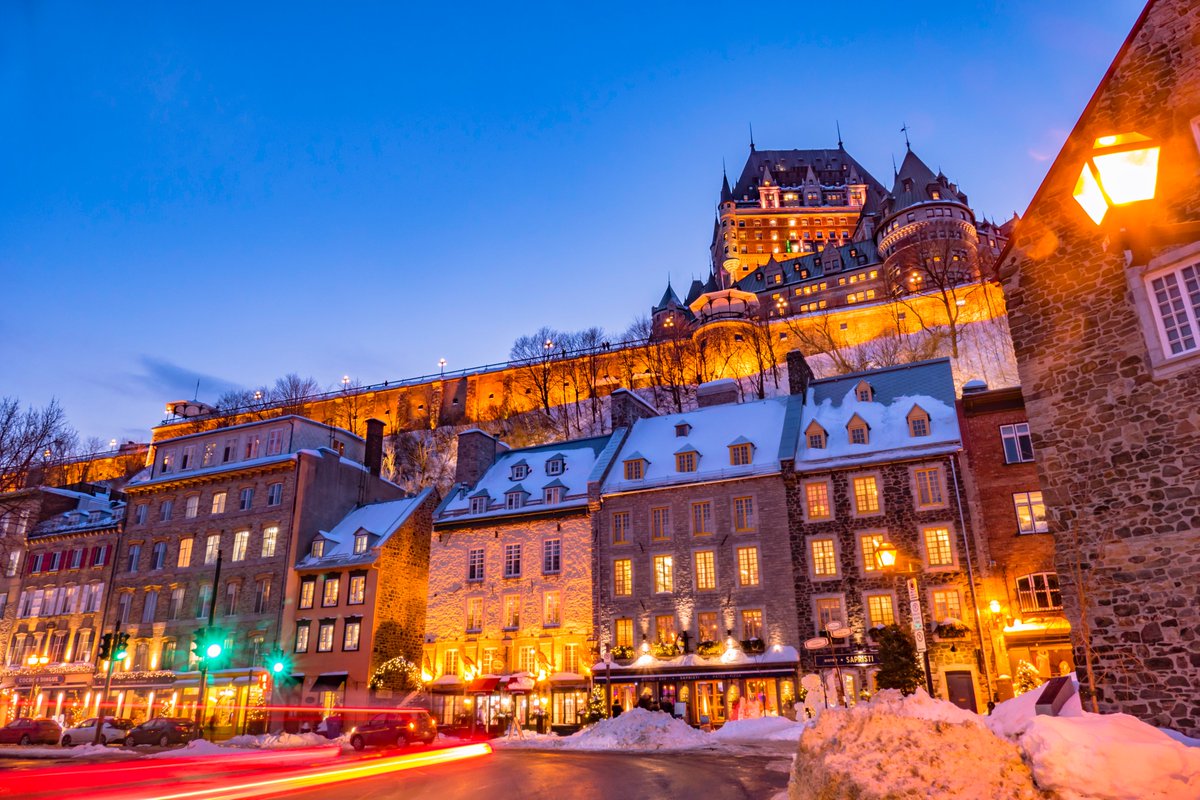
212, 613
112, 663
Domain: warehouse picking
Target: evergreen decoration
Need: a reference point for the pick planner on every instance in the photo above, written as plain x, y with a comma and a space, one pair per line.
397, 675
899, 662
709, 649
951, 629
596, 708
622, 652
754, 647
665, 649
1027, 677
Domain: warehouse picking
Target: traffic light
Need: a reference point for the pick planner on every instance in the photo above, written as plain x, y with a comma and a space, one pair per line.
198, 644
121, 647
277, 663
106, 646
208, 646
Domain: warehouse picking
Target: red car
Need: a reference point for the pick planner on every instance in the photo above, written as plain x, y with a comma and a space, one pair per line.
24, 730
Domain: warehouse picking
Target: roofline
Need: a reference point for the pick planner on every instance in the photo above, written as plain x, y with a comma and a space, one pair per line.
550, 446
289, 417
876, 371
287, 458
483, 522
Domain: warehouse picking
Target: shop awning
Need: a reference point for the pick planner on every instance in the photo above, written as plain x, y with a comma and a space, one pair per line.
483, 685
329, 681
698, 675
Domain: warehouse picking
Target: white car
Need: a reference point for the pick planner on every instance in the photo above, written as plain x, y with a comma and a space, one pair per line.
113, 731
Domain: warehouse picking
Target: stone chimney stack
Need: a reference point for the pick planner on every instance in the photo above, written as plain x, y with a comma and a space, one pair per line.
476, 452
717, 393
373, 460
800, 374
626, 408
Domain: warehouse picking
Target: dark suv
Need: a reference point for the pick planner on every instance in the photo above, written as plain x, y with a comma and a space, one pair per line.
163, 731
401, 727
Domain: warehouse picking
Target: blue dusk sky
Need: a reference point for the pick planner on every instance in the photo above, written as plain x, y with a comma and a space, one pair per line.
225, 193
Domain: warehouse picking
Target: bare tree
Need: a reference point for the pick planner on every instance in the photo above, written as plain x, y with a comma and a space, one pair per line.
536, 362
946, 270
30, 438
670, 362
762, 345
291, 392
422, 458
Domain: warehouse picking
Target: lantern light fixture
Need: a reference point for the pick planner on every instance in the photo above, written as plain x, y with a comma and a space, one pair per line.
885, 555
1122, 169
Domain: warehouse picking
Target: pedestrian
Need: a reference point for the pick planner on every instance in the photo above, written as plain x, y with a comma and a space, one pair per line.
212, 728
616, 709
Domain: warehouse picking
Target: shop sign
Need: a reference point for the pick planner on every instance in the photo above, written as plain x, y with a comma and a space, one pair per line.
143, 679
49, 679
846, 660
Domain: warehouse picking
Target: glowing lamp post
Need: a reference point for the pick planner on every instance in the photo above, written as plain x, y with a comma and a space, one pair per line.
1122, 169
886, 557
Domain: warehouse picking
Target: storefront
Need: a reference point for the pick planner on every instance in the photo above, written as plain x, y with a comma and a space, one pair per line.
1033, 646
61, 695
705, 691
557, 701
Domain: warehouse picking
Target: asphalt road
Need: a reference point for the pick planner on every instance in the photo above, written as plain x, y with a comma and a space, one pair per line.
537, 775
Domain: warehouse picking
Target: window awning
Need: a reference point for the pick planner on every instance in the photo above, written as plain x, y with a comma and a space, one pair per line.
483, 685
330, 681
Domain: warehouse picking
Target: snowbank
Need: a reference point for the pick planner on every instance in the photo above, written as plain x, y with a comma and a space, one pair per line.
897, 746
281, 741
81, 751
637, 729
762, 729
196, 747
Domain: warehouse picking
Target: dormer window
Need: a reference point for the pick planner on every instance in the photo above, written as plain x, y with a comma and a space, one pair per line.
318, 548
635, 468
682, 429
479, 505
741, 452
555, 466
816, 436
552, 495
858, 430
360, 543
864, 392
514, 499
918, 422
519, 471
935, 194
685, 460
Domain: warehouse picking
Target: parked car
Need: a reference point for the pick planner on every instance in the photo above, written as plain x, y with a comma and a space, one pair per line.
113, 731
401, 727
24, 730
163, 731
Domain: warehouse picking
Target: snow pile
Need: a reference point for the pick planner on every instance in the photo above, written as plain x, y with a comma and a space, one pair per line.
95, 751
637, 729
80, 751
1098, 756
912, 746
280, 741
196, 747
762, 729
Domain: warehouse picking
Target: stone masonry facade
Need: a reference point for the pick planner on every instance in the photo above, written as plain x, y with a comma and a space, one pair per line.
1113, 411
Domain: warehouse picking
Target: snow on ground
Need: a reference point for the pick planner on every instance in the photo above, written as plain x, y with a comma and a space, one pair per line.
636, 729
281, 741
82, 751
762, 729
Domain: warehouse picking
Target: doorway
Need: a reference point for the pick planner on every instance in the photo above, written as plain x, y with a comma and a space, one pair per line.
960, 686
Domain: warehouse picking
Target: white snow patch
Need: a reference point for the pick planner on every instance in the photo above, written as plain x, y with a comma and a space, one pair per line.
197, 747
761, 729
82, 751
637, 729
281, 741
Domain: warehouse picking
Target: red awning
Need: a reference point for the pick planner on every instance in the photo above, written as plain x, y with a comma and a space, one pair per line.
482, 685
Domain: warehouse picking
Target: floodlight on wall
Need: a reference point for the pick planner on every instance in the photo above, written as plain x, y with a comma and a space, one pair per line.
1122, 169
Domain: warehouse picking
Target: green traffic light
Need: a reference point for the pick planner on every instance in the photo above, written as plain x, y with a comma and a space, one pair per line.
213, 650
277, 667
120, 655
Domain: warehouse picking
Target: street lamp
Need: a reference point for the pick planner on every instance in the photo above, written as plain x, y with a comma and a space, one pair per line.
442, 365
1122, 169
35, 661
886, 557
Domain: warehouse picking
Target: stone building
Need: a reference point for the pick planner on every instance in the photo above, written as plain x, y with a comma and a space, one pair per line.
58, 597
1020, 600
694, 604
1101, 284
510, 580
359, 601
876, 463
250, 497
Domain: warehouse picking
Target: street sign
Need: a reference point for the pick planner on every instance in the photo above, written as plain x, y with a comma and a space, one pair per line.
918, 620
864, 659
841, 633
816, 643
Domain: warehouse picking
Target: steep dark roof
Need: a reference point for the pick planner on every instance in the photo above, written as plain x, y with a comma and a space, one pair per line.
726, 192
817, 264
790, 168
915, 183
669, 298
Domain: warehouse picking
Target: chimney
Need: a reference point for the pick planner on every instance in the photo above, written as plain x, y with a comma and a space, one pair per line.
626, 408
717, 393
374, 455
800, 374
476, 452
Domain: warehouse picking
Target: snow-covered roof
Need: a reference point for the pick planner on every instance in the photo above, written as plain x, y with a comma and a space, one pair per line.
190, 474
579, 457
770, 425
378, 520
833, 402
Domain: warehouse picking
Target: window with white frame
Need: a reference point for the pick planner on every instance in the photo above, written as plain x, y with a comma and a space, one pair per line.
664, 574
474, 614
514, 500
939, 546
1018, 444
475, 564
1174, 296
947, 605
479, 505
929, 487
554, 466
1039, 592
361, 542
512, 611
325, 636
827, 610
824, 557
512, 560
551, 609
551, 556
1031, 512
275, 494
191, 506
880, 609
552, 495
356, 592
351, 633
218, 503
269, 538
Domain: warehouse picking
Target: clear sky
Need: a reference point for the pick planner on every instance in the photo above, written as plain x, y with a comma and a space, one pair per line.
230, 192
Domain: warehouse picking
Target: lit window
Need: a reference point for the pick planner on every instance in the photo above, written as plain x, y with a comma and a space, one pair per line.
880, 610
706, 570
350, 635
474, 614
664, 629
747, 560
218, 503
1031, 512
302, 630
211, 546
866, 495
551, 610
947, 605
269, 538
828, 609
360, 543
868, 542
318, 548
356, 592
623, 577
664, 574
329, 592
191, 507
241, 541
185, 554
752, 623
816, 494
824, 558
308, 590
512, 611
624, 632
939, 549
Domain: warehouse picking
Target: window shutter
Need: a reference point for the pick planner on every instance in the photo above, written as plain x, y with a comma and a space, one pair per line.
91, 557
28, 563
